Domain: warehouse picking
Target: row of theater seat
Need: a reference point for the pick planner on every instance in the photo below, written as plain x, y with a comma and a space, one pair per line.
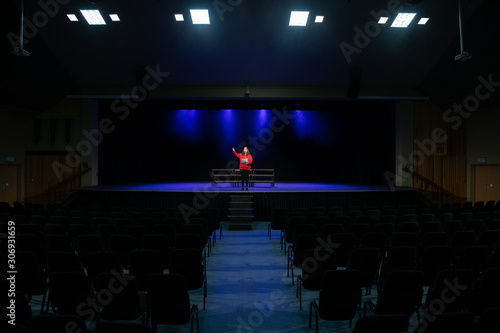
401, 251
67, 256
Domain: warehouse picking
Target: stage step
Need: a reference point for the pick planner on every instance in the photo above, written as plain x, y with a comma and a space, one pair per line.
240, 226
240, 218
240, 212
239, 205
241, 198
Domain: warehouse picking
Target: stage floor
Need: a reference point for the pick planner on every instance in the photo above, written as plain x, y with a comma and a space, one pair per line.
279, 187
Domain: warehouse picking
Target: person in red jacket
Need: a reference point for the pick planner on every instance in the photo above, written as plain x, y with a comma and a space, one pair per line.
245, 166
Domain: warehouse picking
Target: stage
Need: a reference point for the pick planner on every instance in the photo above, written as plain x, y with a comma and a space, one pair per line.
279, 187
200, 195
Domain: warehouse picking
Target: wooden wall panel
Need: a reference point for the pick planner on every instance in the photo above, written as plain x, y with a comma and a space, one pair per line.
42, 183
449, 171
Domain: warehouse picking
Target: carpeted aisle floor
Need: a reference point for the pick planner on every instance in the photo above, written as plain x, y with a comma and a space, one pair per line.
249, 291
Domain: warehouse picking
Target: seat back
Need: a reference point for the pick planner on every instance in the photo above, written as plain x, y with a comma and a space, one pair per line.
390, 323
143, 263
278, 218
124, 303
160, 243
31, 278
102, 262
455, 284
404, 239
340, 294
487, 292
433, 260
86, 244
167, 298
188, 263
63, 262
68, 290
121, 327
489, 321
315, 264
367, 262
400, 293
59, 323
460, 322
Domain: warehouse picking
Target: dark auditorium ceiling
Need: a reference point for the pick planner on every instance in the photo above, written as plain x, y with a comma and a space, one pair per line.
250, 44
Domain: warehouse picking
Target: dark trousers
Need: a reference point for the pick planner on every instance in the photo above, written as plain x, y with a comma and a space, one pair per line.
244, 177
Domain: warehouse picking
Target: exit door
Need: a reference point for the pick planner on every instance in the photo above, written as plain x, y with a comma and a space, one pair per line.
485, 182
9, 183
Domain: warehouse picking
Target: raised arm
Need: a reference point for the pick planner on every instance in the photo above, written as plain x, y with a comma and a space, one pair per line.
235, 153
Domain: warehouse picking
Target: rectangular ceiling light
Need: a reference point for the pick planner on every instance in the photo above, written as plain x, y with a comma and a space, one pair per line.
298, 18
403, 20
93, 17
423, 20
200, 16
383, 20
179, 17
114, 17
72, 17
319, 19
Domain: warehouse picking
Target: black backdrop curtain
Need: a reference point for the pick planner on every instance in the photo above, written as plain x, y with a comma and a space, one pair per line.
350, 142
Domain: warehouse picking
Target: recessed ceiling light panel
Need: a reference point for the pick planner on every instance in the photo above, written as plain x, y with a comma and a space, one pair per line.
93, 16
200, 16
403, 20
423, 20
319, 19
298, 18
383, 20
179, 17
114, 17
72, 17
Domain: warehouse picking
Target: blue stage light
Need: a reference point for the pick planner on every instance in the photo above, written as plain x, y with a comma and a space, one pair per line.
233, 126
314, 126
227, 128
263, 118
185, 124
301, 128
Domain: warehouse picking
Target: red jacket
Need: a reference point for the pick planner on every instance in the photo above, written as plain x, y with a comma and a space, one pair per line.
244, 166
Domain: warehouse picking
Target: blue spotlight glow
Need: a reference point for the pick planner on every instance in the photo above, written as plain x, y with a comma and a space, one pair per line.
301, 129
263, 117
227, 115
227, 127
226, 130
310, 125
185, 124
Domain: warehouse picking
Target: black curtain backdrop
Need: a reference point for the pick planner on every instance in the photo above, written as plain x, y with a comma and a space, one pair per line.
348, 142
